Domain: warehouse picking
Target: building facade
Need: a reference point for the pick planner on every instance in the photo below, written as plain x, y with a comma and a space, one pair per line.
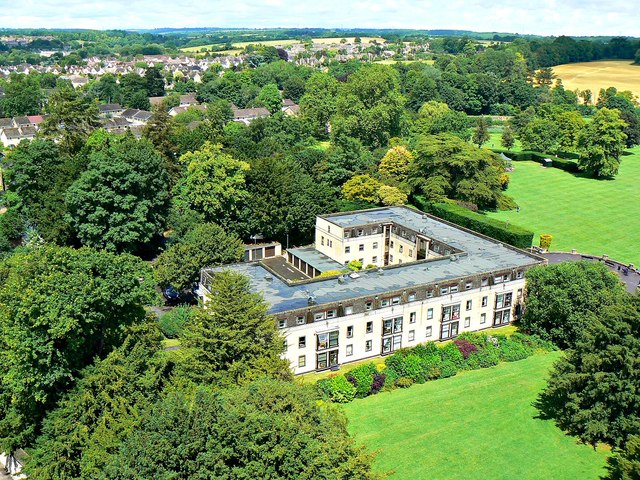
429, 280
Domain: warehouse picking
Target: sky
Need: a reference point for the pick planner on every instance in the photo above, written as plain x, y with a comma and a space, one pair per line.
542, 17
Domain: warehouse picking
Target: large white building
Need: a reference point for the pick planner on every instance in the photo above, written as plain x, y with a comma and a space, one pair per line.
432, 281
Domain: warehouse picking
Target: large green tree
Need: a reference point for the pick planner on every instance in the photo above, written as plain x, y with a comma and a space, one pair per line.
105, 407
593, 391
22, 96
601, 143
205, 245
445, 166
121, 201
267, 429
214, 184
59, 309
270, 98
318, 103
563, 298
625, 465
233, 339
369, 106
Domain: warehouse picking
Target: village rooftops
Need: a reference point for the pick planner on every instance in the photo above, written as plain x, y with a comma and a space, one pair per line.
479, 255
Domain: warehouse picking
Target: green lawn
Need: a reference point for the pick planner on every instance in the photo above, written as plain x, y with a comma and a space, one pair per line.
477, 425
592, 216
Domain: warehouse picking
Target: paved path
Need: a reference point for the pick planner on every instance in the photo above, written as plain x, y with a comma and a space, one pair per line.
632, 280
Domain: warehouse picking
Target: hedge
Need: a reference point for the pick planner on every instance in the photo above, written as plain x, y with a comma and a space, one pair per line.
568, 164
502, 231
426, 362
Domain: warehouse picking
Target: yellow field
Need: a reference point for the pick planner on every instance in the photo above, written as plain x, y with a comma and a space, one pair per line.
621, 74
237, 47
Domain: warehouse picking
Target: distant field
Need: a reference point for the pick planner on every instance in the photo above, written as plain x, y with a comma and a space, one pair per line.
392, 62
238, 46
592, 216
478, 425
596, 75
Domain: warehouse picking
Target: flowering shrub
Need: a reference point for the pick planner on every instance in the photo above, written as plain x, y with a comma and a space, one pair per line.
378, 383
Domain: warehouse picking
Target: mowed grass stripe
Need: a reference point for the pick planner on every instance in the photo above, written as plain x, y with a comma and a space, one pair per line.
592, 216
478, 425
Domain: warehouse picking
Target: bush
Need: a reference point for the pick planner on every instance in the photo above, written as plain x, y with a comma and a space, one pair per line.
511, 351
485, 357
413, 368
379, 380
465, 347
172, 323
450, 353
404, 382
448, 369
502, 231
395, 362
567, 163
362, 378
339, 389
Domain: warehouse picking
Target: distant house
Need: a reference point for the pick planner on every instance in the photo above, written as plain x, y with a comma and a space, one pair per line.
35, 120
6, 123
247, 115
109, 109
188, 100
156, 101
21, 121
290, 107
177, 110
135, 116
116, 124
10, 137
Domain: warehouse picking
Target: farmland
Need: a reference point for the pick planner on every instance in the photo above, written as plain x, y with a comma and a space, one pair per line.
621, 74
238, 46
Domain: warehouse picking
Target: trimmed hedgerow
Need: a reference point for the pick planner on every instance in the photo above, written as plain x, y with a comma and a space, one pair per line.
430, 361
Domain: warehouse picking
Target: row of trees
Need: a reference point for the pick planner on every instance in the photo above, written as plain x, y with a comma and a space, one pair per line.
592, 391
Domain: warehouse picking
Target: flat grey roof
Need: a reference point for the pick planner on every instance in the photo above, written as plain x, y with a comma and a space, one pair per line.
316, 259
482, 255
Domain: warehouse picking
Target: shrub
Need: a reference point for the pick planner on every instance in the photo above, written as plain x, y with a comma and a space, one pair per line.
450, 353
502, 231
413, 368
448, 369
362, 378
404, 382
340, 390
172, 323
511, 351
395, 362
465, 347
354, 265
485, 357
379, 380
427, 350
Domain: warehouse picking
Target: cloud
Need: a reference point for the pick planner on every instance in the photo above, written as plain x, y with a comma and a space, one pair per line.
544, 17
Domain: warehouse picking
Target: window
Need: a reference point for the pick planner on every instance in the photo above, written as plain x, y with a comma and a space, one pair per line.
300, 320
498, 279
411, 253
349, 350
302, 361
429, 332
374, 259
332, 313
391, 244
348, 310
285, 345
329, 228
429, 293
485, 282
319, 316
374, 230
502, 317
519, 275
395, 300
453, 289
469, 304
412, 317
449, 330
391, 326
302, 342
330, 242
385, 302
519, 295
369, 327
401, 248
360, 232
430, 314
322, 240
444, 290
327, 340
399, 260
361, 247
483, 318
412, 335
503, 300
347, 234
282, 323
368, 345
361, 260
350, 331
347, 249
411, 297
375, 245
327, 359
451, 312
368, 305
390, 344
391, 258
485, 301
467, 322
468, 285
